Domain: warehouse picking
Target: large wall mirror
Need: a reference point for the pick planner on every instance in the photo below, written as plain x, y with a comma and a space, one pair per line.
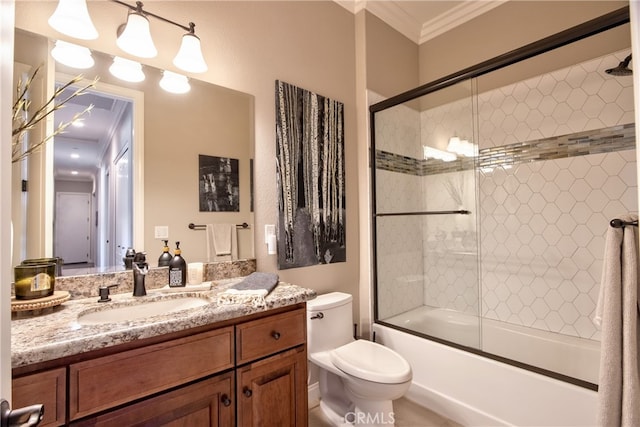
133, 172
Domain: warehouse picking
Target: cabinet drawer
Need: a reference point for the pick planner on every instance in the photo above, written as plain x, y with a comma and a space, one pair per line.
48, 388
205, 403
111, 380
270, 335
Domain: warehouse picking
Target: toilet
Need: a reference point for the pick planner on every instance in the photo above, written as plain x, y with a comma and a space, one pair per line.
358, 379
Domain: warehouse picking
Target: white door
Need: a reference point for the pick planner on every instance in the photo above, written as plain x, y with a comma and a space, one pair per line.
123, 205
73, 227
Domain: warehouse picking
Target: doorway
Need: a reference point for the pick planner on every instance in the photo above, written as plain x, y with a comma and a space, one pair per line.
101, 141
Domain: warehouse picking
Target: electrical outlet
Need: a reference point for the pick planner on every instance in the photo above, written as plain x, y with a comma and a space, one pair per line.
161, 232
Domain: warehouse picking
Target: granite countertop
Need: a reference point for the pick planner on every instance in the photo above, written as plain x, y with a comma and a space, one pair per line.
59, 334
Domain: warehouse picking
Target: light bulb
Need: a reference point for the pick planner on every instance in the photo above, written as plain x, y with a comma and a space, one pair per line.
189, 57
72, 55
71, 17
127, 70
136, 39
174, 83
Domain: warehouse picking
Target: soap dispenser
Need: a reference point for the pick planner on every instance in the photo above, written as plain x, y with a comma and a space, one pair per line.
140, 270
165, 257
177, 269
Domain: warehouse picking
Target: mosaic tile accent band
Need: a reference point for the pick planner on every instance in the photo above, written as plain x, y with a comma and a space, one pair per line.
606, 140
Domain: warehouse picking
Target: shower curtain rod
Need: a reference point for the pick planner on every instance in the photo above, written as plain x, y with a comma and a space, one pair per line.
459, 212
618, 223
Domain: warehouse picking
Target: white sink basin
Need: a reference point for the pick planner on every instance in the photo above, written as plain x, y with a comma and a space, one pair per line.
140, 311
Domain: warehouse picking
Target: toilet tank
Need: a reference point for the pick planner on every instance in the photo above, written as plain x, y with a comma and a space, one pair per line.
329, 321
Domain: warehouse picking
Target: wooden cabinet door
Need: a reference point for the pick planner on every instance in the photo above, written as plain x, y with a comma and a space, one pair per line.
205, 403
48, 388
273, 392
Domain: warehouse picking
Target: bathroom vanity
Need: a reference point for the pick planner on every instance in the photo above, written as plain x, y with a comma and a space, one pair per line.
218, 365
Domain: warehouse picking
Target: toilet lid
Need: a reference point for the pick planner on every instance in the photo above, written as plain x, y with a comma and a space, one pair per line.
372, 362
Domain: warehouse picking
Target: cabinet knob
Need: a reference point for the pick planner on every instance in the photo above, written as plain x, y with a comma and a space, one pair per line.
247, 392
225, 400
275, 335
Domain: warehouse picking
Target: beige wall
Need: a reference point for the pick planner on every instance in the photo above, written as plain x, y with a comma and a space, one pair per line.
391, 59
248, 45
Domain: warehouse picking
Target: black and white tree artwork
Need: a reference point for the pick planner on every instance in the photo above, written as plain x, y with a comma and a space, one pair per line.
219, 184
310, 175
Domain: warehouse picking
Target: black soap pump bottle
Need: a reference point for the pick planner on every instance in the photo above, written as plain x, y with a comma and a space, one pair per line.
166, 256
177, 269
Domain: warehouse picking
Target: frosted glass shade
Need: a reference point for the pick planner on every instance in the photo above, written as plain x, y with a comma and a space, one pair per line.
71, 17
189, 57
136, 37
127, 70
72, 55
174, 83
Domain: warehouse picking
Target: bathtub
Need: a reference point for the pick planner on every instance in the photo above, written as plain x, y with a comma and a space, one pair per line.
567, 355
474, 390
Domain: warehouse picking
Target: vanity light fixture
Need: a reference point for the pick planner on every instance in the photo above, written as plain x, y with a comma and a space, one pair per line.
135, 37
71, 18
72, 55
189, 57
127, 70
434, 153
174, 83
462, 147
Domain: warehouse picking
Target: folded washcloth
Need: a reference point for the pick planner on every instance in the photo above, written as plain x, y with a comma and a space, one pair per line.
251, 290
257, 282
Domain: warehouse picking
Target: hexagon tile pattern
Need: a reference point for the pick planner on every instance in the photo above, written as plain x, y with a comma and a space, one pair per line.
541, 223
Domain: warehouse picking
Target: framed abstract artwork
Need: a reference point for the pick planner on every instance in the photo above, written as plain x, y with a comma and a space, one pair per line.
219, 184
310, 178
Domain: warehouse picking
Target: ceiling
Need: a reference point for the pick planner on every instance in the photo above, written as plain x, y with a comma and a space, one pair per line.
79, 148
418, 20
422, 20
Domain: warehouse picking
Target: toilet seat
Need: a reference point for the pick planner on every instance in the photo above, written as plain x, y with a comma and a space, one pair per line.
372, 362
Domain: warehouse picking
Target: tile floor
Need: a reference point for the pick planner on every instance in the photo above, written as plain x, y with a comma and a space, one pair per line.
407, 414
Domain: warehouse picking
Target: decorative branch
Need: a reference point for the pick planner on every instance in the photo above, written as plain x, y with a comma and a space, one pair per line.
22, 124
455, 189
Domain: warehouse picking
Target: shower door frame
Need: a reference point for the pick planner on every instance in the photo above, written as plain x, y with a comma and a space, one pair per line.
589, 28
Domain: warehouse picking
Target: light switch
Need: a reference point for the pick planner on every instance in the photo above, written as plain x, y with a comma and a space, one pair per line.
161, 232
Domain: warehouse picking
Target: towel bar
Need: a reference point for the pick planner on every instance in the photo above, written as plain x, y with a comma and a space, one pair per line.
618, 223
193, 226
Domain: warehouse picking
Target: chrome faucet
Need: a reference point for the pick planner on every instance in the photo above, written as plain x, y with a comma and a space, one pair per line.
140, 270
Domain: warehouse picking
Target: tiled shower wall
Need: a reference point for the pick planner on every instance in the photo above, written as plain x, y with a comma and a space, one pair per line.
543, 202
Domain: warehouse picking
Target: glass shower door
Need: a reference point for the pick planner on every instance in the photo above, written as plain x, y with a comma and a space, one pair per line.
426, 260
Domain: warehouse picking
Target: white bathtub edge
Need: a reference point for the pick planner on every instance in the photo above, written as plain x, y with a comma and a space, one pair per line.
450, 408
474, 391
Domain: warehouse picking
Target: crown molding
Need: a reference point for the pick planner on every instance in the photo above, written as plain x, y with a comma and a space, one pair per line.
396, 17
419, 32
456, 16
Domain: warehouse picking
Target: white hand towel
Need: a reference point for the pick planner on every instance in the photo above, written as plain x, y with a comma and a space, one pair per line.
617, 314
222, 242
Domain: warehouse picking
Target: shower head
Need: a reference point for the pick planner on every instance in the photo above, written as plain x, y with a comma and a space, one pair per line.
622, 68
